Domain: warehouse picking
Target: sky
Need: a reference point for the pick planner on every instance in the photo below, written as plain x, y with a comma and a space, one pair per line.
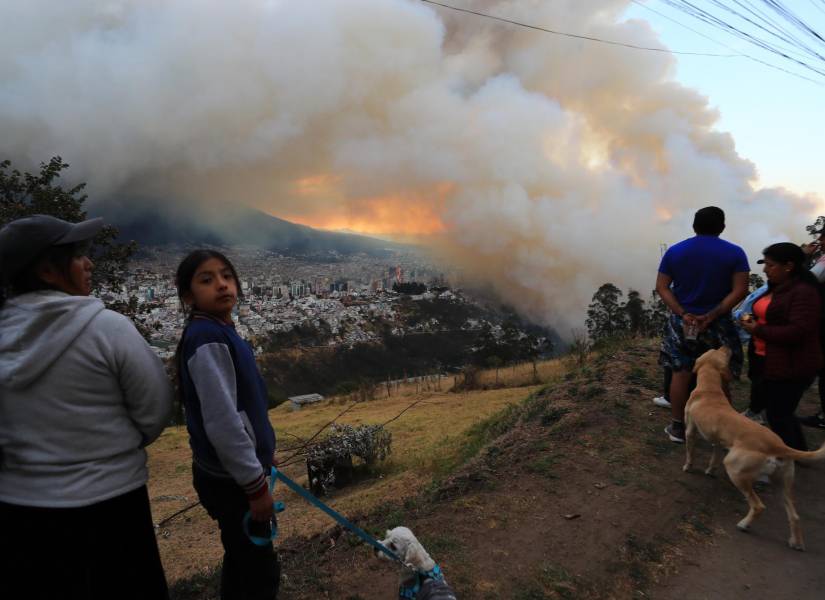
539, 165
777, 120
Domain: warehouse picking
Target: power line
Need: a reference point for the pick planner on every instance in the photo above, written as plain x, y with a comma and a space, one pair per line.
776, 37
635, 47
576, 36
680, 24
742, 55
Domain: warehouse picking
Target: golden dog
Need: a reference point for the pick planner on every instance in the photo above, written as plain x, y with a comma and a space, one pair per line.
753, 448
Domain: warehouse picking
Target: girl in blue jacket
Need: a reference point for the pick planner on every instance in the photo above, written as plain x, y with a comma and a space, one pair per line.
232, 440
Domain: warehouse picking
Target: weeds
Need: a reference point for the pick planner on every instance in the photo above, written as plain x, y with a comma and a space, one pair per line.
543, 466
552, 415
200, 586
593, 391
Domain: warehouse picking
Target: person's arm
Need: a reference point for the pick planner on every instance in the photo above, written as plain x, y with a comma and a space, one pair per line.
739, 289
213, 374
663, 282
147, 390
803, 320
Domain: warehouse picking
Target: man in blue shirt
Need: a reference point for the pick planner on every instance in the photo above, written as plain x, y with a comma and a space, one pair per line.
700, 280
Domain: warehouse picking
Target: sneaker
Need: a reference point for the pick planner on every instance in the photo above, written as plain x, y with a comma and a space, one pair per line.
676, 432
817, 420
661, 401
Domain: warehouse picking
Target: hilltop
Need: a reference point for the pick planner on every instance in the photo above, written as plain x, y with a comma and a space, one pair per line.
156, 222
567, 489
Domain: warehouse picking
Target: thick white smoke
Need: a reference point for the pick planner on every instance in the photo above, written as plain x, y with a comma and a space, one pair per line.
544, 165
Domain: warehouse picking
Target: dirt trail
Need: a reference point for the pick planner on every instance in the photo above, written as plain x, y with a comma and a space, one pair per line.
583, 498
758, 564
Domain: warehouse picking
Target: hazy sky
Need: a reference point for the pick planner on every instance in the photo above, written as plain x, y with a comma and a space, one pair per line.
539, 164
777, 120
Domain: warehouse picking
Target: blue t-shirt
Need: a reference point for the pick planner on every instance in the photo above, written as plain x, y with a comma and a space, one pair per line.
702, 269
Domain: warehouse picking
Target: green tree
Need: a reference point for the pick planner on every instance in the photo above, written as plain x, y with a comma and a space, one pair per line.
635, 313
657, 313
494, 362
24, 194
755, 281
605, 314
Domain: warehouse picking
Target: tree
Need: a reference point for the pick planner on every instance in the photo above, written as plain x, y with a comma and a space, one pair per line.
24, 194
635, 313
755, 282
657, 313
494, 362
412, 288
605, 314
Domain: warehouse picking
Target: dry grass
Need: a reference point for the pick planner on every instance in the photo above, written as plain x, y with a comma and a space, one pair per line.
427, 442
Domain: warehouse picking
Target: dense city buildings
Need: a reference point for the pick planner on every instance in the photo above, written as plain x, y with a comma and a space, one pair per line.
338, 294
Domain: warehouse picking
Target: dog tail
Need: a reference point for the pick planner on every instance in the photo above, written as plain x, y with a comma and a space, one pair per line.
814, 456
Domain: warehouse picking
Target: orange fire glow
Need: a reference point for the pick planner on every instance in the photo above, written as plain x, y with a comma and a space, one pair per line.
663, 213
401, 214
315, 184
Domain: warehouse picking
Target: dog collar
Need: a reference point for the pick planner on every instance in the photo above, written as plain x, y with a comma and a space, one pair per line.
411, 592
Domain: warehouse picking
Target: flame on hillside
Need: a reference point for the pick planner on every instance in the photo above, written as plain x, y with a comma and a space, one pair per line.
403, 215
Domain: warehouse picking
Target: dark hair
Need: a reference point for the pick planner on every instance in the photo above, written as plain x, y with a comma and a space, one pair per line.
189, 265
26, 280
709, 221
786, 252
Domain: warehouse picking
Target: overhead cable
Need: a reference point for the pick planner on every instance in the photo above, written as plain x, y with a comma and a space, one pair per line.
576, 36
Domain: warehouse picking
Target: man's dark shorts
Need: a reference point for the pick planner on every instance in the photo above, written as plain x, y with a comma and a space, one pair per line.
680, 354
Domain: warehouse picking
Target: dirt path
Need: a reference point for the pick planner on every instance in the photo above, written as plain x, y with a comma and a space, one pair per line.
583, 497
758, 564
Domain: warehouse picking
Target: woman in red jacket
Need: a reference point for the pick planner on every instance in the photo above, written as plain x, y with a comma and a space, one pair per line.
785, 336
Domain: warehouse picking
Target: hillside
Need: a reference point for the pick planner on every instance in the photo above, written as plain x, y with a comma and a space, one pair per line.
153, 222
571, 491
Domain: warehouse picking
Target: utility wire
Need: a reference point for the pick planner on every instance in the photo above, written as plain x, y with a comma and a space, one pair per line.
761, 28
576, 36
680, 24
742, 55
635, 47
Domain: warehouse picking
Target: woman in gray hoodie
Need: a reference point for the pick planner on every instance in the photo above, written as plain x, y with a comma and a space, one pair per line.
81, 395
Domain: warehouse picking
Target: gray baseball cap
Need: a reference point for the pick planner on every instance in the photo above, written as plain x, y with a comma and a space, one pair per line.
23, 240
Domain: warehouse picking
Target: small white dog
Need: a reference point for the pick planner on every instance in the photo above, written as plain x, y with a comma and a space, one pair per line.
421, 578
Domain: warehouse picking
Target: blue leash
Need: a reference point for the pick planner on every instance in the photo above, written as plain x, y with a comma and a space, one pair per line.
343, 521
277, 507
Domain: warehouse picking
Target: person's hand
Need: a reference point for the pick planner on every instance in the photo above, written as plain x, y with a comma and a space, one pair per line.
703, 322
275, 458
748, 325
261, 507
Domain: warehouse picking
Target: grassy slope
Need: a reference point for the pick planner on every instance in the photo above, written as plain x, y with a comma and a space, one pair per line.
574, 492
429, 441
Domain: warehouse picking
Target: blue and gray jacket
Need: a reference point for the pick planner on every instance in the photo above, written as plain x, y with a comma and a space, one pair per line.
226, 403
747, 307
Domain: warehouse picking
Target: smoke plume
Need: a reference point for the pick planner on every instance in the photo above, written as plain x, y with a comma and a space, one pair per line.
543, 166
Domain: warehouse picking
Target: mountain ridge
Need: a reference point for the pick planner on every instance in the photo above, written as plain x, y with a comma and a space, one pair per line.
157, 224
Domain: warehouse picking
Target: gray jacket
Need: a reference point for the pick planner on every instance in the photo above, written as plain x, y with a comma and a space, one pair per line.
81, 394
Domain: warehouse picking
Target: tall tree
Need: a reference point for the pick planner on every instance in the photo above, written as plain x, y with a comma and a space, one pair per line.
635, 313
605, 314
24, 194
755, 281
657, 314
